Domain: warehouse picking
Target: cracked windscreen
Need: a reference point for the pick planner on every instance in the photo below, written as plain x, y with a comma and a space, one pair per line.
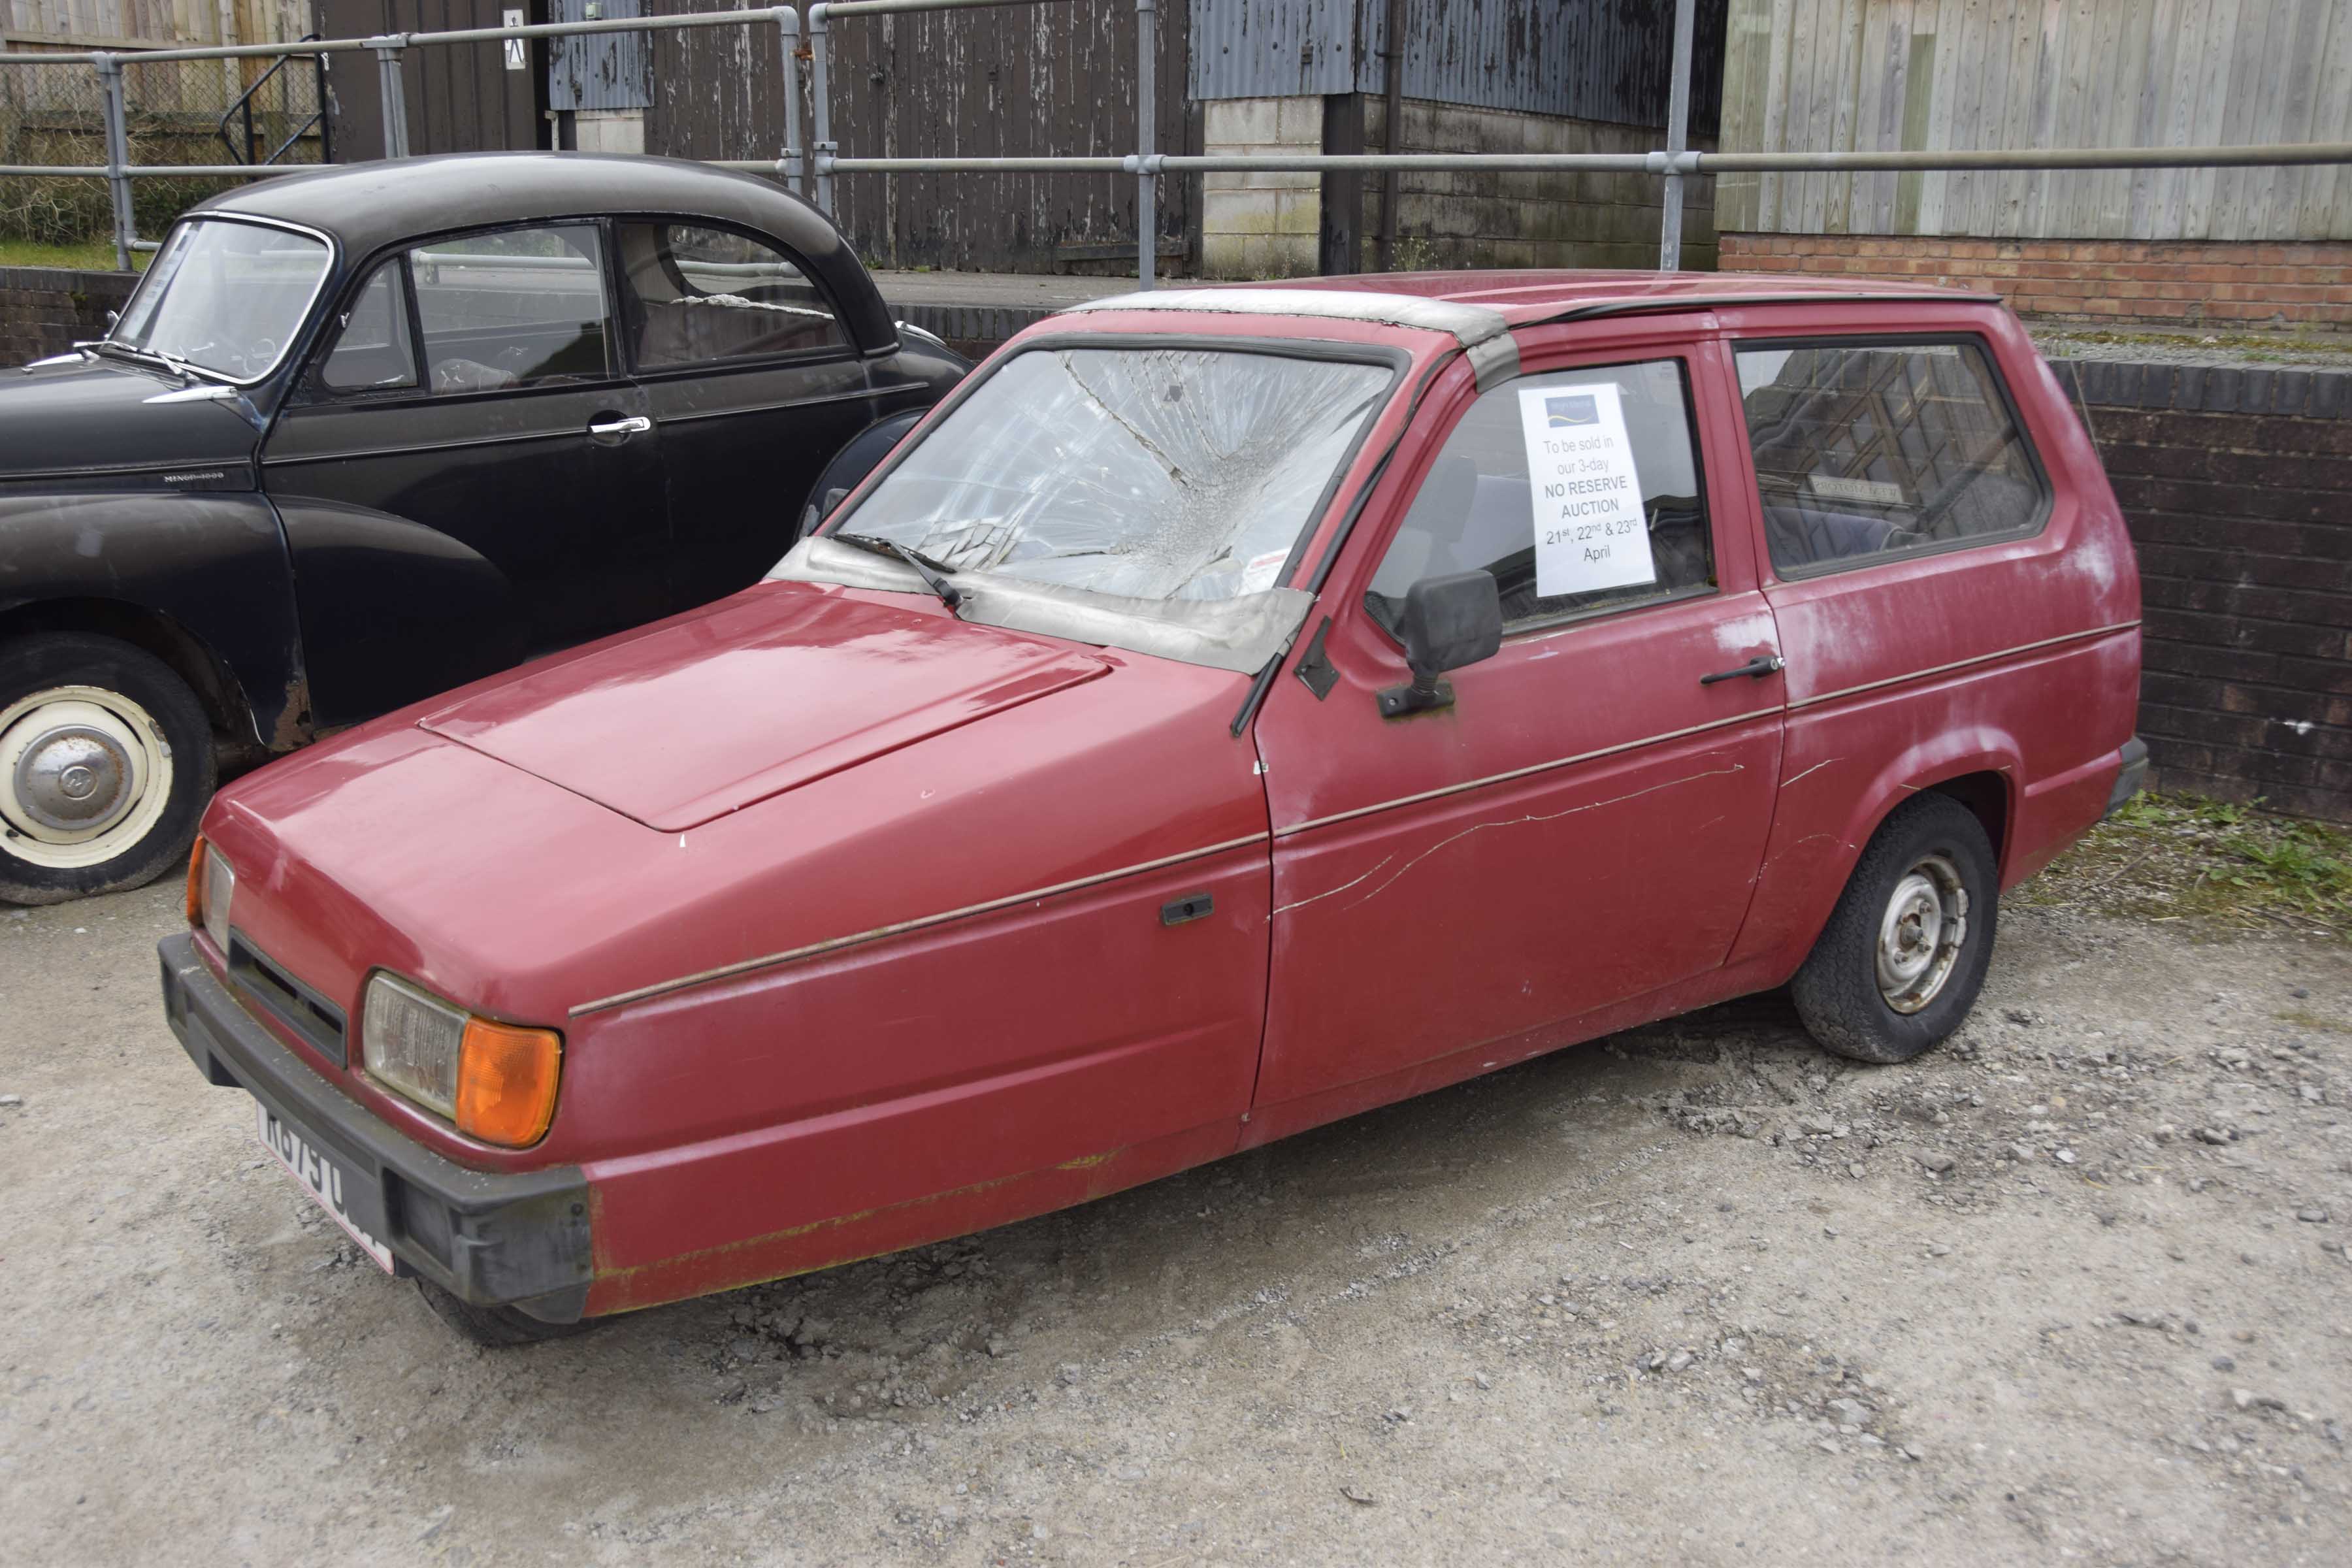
1150, 473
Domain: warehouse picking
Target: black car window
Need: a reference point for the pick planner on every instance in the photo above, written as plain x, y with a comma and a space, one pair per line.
518, 308
1579, 489
698, 294
1866, 450
373, 349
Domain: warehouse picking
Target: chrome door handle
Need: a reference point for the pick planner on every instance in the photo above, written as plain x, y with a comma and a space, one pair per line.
1756, 668
612, 429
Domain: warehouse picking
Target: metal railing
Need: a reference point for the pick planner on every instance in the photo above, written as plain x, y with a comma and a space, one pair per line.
810, 170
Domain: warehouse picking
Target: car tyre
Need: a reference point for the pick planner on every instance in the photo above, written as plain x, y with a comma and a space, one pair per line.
1905, 952
497, 1328
106, 764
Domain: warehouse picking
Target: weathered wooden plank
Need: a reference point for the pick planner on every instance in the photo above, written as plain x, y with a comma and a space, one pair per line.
1770, 187
2326, 209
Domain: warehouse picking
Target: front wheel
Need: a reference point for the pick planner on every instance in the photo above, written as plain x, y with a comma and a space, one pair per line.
1904, 955
106, 762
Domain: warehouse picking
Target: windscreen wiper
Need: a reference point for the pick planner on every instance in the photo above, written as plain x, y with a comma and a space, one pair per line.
929, 570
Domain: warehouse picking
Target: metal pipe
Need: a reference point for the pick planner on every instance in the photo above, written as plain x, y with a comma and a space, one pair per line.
821, 106
1147, 118
788, 38
887, 7
394, 96
1127, 166
2051, 158
118, 158
1669, 220
1391, 184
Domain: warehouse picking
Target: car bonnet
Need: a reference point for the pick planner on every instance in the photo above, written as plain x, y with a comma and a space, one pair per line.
717, 710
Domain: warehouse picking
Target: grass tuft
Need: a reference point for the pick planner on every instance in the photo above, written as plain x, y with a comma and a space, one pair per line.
2186, 857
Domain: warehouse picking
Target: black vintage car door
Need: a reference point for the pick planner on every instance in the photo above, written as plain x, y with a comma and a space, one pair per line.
466, 474
754, 383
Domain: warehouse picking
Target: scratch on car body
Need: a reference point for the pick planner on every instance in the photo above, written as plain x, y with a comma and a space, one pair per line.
1817, 767
1533, 817
1333, 892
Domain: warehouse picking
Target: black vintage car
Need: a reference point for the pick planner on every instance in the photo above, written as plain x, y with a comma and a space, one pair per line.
365, 434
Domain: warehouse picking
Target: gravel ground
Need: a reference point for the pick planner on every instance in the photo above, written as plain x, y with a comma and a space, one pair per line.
2072, 1286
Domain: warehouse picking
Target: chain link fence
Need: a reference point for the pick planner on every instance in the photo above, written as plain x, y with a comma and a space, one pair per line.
175, 112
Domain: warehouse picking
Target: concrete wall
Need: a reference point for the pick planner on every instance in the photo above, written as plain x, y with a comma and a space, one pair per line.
44, 310
2176, 283
1263, 226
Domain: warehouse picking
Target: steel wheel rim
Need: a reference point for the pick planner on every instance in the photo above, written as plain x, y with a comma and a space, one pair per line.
85, 775
1921, 933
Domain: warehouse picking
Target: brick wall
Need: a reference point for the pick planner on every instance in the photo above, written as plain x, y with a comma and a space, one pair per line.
2238, 488
2214, 284
43, 310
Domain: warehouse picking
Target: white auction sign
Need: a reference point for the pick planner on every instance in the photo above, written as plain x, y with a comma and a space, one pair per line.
1589, 525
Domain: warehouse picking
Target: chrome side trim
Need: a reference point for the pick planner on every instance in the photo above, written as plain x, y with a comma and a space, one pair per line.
1960, 664
1531, 769
899, 928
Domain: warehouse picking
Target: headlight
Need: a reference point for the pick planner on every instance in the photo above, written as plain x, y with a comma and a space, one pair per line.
495, 1081
211, 881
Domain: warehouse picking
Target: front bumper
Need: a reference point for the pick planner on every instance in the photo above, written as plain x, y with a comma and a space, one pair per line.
494, 1239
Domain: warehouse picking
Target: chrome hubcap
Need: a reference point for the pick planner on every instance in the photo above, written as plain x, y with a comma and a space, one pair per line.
1921, 933
74, 777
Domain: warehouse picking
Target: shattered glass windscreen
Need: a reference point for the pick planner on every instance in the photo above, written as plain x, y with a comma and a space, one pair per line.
1149, 473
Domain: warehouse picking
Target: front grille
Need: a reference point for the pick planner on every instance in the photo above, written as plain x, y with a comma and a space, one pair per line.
310, 1015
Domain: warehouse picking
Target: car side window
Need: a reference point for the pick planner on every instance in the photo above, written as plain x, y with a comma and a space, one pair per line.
1581, 490
523, 307
1869, 449
697, 294
373, 349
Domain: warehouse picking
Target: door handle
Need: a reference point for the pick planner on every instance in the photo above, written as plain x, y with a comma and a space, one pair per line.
619, 429
1756, 668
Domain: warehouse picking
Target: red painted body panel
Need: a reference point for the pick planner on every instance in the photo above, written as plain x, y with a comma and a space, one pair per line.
857, 679
1496, 867
890, 964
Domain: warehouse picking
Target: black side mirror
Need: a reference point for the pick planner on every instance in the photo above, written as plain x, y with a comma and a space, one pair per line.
1446, 623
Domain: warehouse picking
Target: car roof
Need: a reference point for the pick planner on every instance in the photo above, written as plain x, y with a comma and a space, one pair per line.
367, 206
1475, 306
1524, 296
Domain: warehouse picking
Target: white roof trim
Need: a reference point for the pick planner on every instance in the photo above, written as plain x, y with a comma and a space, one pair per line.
1469, 324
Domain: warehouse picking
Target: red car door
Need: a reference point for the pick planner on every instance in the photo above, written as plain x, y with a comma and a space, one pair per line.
1585, 823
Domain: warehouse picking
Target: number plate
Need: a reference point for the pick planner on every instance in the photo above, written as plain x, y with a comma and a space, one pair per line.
321, 1177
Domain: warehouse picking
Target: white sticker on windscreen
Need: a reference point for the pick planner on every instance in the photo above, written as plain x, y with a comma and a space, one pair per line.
1589, 532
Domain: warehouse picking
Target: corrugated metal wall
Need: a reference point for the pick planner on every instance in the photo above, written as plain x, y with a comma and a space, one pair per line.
1587, 59
1831, 75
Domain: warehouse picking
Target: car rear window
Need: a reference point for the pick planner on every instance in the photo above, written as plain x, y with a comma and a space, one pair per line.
1870, 449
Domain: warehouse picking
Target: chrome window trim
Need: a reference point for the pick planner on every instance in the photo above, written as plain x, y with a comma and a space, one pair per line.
310, 307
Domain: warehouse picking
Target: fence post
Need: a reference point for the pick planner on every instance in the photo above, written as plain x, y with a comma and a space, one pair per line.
118, 157
821, 145
1670, 222
788, 35
387, 50
1147, 127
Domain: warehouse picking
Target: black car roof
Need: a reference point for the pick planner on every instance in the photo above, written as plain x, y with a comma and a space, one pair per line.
367, 206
